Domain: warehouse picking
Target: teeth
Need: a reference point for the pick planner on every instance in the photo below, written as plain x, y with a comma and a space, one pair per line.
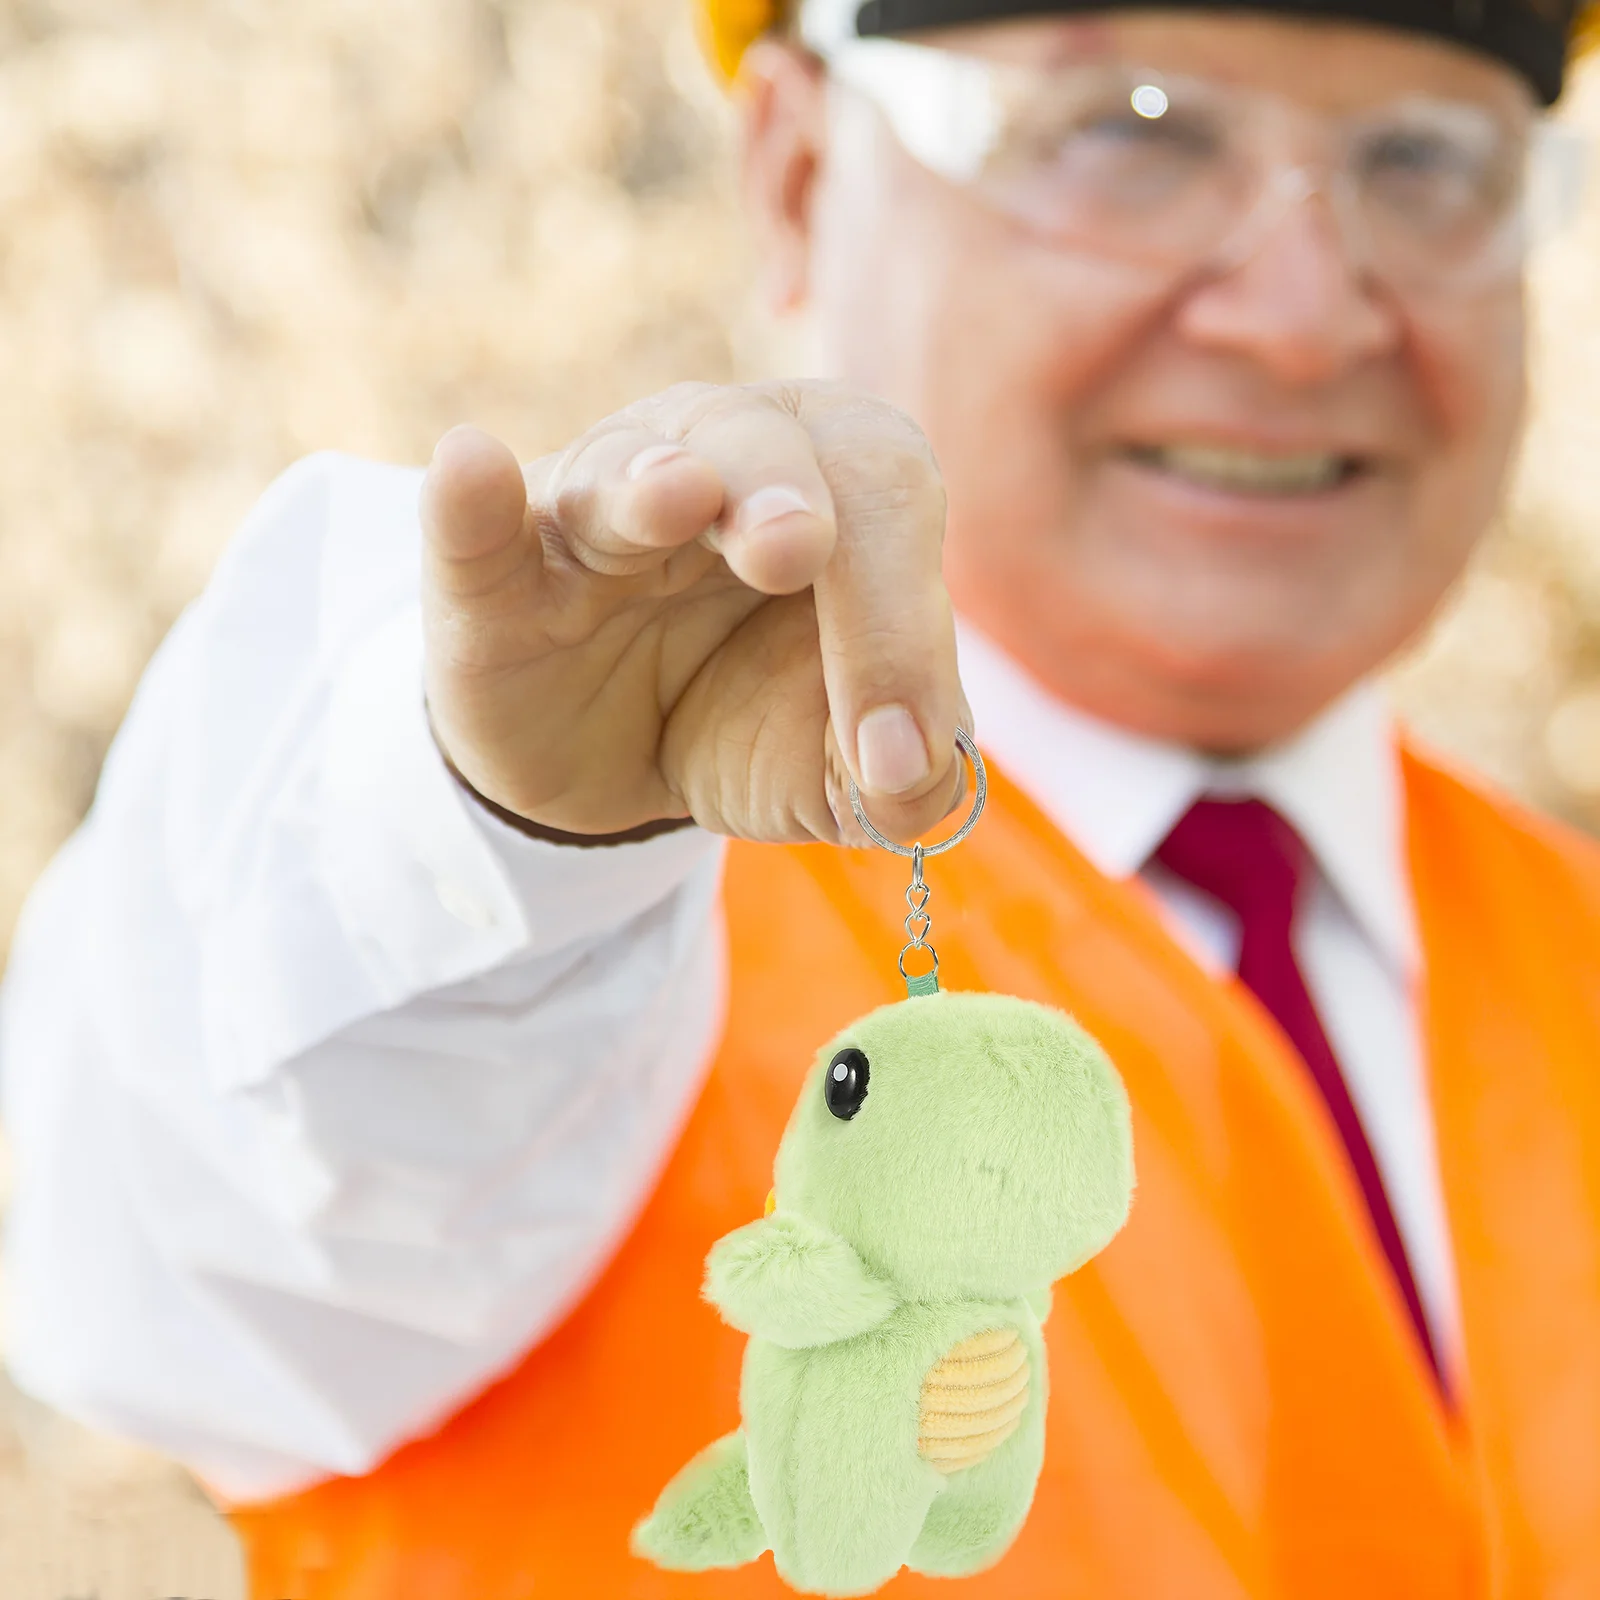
1246, 470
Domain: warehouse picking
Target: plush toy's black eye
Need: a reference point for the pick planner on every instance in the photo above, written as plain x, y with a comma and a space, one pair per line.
845, 1087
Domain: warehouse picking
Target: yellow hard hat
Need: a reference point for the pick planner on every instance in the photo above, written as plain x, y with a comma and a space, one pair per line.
730, 27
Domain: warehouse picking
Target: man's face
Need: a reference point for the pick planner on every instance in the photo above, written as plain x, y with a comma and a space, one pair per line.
1109, 434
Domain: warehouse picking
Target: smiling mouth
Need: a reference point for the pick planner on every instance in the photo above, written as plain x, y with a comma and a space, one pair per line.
1252, 472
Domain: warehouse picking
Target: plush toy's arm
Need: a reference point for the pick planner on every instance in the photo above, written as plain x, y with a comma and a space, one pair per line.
787, 1280
1040, 1300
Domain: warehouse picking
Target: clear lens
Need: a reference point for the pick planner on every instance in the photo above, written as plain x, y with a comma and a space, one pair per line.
1559, 165
1438, 188
1120, 163
1140, 166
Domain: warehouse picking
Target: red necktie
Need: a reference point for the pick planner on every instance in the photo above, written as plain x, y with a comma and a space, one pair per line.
1244, 854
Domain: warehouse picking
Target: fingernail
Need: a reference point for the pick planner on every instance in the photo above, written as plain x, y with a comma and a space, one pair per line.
891, 751
768, 504
654, 456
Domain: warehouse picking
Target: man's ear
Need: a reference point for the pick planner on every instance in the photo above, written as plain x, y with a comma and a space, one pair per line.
798, 1285
784, 93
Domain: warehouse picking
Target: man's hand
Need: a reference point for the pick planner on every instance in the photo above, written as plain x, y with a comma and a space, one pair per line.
711, 605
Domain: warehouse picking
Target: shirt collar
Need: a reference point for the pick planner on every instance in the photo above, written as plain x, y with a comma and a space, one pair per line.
1117, 794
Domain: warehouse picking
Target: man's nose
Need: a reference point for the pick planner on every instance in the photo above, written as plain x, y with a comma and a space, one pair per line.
1294, 300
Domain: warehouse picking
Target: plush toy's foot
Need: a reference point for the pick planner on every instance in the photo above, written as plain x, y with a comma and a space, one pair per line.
969, 1527
705, 1517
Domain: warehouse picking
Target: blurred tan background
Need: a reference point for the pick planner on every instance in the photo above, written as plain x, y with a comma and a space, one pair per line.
236, 231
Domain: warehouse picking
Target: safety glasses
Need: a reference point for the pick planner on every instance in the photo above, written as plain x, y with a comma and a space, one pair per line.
1181, 173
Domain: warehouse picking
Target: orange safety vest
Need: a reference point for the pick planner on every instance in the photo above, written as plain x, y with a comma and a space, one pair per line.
1238, 1406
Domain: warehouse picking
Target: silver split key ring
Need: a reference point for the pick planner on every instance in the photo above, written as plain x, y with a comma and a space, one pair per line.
918, 922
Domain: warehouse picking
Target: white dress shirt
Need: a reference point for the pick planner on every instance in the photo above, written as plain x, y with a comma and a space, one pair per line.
330, 1094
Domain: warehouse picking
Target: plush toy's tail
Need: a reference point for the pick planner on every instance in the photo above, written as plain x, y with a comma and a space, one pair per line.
705, 1516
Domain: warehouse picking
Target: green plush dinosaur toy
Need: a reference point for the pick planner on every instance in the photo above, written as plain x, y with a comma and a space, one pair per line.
949, 1158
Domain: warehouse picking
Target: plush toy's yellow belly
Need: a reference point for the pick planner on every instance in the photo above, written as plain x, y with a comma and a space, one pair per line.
973, 1400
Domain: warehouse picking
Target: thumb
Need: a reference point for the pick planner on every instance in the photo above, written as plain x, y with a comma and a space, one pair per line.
474, 502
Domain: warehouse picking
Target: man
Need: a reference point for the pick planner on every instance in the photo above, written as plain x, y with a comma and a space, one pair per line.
381, 1062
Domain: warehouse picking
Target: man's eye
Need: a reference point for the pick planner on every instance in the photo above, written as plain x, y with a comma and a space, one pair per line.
1172, 129
845, 1086
1079, 136
1428, 180
1408, 154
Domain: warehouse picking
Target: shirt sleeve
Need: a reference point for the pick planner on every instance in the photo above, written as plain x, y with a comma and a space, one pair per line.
329, 1094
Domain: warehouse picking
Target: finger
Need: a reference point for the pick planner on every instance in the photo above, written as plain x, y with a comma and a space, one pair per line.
726, 466
884, 619
473, 501
777, 530
627, 495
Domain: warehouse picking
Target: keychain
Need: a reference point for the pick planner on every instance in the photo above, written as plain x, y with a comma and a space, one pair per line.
919, 924
950, 1157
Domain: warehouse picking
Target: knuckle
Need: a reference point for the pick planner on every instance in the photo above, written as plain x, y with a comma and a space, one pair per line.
824, 401
913, 441
567, 504
572, 465
752, 403
803, 398
689, 406
876, 457
666, 409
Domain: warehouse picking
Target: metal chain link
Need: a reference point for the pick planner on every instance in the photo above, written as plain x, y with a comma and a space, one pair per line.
919, 923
